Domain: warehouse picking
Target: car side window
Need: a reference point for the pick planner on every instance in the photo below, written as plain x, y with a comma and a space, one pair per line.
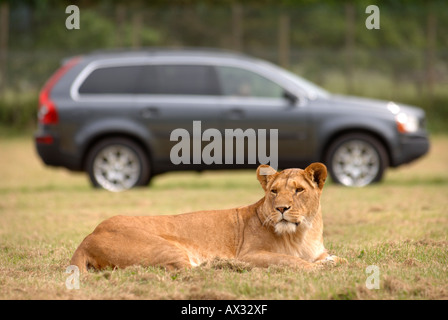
111, 80
179, 80
244, 83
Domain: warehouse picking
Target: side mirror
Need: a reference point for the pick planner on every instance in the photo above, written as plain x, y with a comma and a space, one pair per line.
292, 98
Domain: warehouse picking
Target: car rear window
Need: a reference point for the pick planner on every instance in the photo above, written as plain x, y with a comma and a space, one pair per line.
179, 80
152, 79
112, 80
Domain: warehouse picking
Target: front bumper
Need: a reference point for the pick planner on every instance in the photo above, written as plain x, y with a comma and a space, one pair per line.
411, 147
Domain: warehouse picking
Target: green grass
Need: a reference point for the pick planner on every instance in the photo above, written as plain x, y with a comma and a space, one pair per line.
400, 226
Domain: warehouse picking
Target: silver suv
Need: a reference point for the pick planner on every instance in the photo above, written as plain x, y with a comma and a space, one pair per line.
113, 115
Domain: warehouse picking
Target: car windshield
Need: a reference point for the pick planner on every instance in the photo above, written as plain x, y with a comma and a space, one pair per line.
312, 90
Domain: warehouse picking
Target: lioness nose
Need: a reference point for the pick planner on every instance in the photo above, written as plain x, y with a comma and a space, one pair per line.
282, 209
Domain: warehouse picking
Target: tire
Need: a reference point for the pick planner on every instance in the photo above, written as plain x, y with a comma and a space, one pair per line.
356, 160
117, 164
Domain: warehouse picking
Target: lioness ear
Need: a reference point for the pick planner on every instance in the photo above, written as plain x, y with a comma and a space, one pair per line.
265, 174
318, 173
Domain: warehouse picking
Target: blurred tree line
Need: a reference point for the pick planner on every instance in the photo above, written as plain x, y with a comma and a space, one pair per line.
326, 42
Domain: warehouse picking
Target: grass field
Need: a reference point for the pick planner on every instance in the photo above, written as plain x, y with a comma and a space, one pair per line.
400, 226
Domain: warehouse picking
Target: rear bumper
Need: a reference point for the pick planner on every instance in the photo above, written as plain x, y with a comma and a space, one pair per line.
411, 147
48, 149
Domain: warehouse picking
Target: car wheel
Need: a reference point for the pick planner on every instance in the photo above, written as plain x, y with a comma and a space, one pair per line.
356, 160
118, 164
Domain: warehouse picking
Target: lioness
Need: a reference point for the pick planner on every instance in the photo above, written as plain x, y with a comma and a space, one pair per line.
283, 228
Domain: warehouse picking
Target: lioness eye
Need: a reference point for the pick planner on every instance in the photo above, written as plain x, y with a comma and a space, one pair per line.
298, 190
274, 191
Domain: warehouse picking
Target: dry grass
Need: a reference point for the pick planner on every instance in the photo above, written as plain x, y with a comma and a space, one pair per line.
400, 226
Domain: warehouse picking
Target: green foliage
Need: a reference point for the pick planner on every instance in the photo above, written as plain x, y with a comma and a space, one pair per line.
18, 111
96, 27
405, 60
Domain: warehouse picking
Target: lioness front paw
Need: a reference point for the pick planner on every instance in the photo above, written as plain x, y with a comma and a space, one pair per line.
332, 260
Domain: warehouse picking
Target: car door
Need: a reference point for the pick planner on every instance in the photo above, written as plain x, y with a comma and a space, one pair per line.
177, 97
252, 102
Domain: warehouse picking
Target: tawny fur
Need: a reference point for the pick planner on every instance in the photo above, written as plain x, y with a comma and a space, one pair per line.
258, 234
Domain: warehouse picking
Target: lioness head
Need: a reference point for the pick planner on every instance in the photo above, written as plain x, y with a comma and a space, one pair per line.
292, 196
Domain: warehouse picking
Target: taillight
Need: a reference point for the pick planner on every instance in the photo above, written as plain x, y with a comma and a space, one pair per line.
47, 113
45, 140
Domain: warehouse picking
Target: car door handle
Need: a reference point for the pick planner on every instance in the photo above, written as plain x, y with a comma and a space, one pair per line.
150, 112
235, 114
